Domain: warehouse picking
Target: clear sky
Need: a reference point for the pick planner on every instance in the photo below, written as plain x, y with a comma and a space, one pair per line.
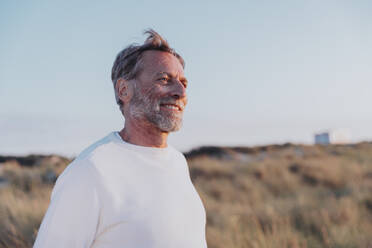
259, 72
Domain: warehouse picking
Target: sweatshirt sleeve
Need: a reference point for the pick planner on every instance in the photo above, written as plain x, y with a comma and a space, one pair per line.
73, 214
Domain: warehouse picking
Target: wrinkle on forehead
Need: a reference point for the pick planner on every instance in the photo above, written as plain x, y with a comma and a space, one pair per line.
158, 61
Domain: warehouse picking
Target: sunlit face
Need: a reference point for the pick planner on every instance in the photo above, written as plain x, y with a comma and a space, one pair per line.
160, 91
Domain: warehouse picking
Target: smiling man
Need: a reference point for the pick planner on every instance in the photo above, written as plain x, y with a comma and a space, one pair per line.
131, 189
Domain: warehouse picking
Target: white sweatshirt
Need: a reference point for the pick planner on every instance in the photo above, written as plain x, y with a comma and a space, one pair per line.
116, 194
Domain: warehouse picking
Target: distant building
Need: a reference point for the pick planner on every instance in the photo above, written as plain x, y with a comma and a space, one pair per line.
336, 136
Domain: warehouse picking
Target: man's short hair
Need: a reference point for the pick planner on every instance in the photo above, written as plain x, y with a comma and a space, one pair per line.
128, 62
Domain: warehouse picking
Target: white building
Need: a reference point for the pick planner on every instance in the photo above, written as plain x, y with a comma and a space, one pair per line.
335, 136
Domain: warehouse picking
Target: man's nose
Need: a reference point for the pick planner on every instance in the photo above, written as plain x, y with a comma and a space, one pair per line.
179, 90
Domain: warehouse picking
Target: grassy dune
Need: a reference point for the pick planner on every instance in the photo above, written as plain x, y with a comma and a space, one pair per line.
274, 196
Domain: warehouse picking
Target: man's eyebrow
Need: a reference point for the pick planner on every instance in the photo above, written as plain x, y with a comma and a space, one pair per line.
163, 72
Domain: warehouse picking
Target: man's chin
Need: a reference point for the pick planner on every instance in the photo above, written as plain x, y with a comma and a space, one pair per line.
171, 126
170, 129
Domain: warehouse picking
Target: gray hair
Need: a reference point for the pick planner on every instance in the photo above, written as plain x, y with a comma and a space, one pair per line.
128, 62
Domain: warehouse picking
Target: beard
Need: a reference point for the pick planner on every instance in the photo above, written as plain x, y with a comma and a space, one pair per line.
147, 107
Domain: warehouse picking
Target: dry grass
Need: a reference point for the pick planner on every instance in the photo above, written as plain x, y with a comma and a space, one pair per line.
277, 196
290, 196
24, 201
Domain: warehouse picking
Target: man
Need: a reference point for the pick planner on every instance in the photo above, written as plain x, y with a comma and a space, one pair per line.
131, 189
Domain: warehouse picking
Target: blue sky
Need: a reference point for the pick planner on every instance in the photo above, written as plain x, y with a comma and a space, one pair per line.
259, 72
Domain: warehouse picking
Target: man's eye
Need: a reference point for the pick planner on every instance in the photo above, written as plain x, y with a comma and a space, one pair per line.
163, 79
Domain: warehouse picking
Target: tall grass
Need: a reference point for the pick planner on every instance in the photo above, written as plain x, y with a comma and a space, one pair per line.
293, 196
22, 204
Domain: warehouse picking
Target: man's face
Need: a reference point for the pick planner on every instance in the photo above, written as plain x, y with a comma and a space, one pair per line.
160, 91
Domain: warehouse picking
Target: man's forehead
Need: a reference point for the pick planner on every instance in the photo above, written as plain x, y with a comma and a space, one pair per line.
157, 61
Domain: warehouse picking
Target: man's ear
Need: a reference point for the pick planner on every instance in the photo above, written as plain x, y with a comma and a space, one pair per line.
124, 89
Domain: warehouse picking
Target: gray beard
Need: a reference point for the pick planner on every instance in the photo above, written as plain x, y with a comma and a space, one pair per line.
142, 107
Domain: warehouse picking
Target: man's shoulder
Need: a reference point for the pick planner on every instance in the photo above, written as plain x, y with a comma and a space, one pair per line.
83, 167
97, 146
86, 160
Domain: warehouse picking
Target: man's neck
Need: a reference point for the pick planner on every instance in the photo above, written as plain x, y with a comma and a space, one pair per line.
143, 135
